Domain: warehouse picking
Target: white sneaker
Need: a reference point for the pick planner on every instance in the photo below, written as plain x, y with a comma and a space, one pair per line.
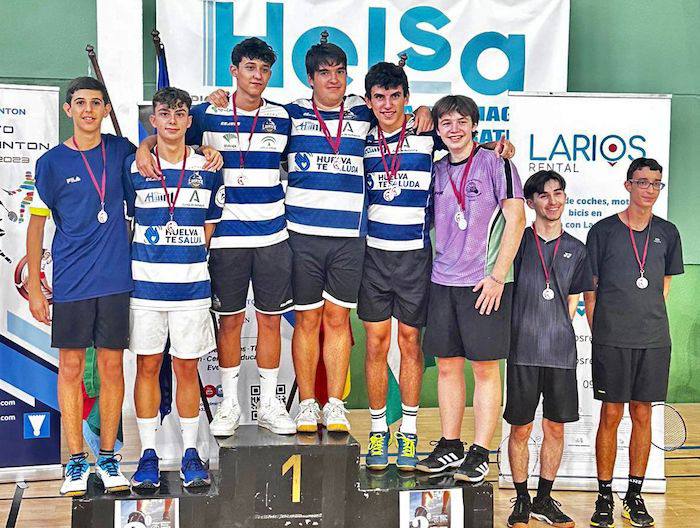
273, 415
307, 419
334, 417
225, 420
77, 474
108, 471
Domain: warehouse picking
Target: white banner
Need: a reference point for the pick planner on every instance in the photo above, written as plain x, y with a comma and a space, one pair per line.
590, 139
29, 417
481, 48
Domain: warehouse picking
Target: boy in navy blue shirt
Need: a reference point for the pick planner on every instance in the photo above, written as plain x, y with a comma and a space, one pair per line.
79, 183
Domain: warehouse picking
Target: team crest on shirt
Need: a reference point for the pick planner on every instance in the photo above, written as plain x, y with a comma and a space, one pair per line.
195, 180
231, 139
472, 190
302, 160
269, 126
349, 114
152, 235
220, 197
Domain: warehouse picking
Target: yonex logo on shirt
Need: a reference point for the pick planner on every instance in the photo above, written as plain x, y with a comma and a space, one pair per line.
567, 255
657, 240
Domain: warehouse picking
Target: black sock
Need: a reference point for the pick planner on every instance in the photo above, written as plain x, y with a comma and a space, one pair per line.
605, 487
544, 488
635, 485
106, 453
521, 489
481, 450
451, 443
77, 457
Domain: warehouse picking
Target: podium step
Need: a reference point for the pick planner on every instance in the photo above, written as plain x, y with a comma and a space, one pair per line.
266, 480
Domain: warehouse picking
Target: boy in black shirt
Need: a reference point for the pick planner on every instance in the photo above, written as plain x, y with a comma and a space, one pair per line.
551, 271
633, 255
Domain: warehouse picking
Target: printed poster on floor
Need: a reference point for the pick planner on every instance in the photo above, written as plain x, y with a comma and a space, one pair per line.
590, 139
435, 508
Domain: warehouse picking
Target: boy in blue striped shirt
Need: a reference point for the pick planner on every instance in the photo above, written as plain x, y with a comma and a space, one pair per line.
174, 218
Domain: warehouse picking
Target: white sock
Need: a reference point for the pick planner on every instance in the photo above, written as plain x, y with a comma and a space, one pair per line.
379, 420
147, 432
408, 420
268, 384
189, 428
229, 385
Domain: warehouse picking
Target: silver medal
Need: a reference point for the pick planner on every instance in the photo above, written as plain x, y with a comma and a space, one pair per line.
548, 294
171, 226
461, 221
389, 194
642, 282
241, 179
102, 216
397, 190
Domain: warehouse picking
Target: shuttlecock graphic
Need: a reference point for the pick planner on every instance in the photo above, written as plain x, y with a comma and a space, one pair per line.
37, 420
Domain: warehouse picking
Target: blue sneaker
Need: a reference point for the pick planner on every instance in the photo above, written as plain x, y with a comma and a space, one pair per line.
407, 459
147, 475
378, 451
193, 472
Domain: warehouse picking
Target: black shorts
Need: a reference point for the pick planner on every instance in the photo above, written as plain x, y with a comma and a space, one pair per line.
525, 384
326, 268
621, 375
102, 322
395, 283
269, 268
456, 329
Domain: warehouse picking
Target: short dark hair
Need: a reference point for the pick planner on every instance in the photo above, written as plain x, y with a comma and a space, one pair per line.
535, 183
640, 163
253, 48
172, 98
324, 53
461, 104
86, 83
386, 75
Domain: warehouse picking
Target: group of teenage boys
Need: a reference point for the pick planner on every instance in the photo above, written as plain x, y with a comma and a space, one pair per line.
208, 215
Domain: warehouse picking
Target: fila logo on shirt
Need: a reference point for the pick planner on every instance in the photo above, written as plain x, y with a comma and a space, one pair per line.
657, 240
73, 179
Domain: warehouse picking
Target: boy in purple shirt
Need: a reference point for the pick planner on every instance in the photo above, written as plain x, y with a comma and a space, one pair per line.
479, 221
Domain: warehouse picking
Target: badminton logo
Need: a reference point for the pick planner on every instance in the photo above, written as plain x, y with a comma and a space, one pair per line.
22, 276
26, 191
37, 425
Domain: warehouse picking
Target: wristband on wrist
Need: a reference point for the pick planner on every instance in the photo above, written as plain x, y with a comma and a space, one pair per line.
494, 279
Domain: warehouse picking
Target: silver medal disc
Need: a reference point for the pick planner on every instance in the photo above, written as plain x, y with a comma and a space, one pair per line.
389, 195
397, 190
462, 224
642, 283
102, 216
548, 293
241, 179
171, 226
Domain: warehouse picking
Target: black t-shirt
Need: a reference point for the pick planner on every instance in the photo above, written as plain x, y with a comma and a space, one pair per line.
626, 316
542, 334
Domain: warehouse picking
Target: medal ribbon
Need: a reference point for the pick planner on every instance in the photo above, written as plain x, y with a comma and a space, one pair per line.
643, 260
100, 191
463, 182
391, 168
547, 271
334, 142
171, 205
242, 156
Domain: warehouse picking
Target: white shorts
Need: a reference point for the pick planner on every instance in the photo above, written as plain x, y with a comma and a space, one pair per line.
191, 332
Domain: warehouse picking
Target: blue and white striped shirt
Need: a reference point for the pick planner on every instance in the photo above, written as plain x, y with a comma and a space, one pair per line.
170, 270
326, 192
254, 211
402, 224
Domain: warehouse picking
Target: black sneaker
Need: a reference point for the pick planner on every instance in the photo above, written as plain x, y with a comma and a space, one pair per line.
603, 514
546, 509
521, 512
475, 466
443, 456
633, 508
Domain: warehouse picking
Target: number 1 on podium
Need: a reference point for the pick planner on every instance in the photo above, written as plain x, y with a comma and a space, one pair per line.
294, 463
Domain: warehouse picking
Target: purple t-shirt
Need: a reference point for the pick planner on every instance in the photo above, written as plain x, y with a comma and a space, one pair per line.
463, 258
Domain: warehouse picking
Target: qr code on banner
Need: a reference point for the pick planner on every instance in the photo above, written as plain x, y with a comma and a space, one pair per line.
148, 513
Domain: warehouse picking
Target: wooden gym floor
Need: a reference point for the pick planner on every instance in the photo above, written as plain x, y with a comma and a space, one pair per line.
679, 507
